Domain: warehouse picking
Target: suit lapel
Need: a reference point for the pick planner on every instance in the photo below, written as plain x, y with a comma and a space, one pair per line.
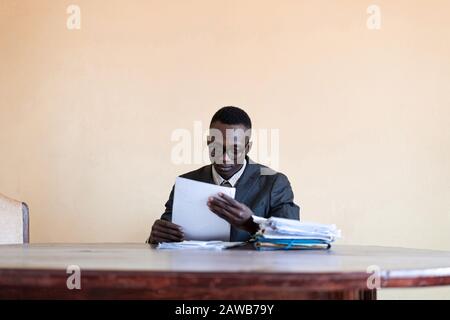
247, 180
206, 174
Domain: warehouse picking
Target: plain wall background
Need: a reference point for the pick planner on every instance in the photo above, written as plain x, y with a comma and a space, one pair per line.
86, 116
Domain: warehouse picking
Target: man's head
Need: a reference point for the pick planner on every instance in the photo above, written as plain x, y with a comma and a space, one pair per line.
229, 140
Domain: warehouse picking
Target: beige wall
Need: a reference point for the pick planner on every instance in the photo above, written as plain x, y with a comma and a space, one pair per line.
86, 116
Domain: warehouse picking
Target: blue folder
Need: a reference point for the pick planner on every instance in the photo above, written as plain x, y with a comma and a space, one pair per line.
262, 243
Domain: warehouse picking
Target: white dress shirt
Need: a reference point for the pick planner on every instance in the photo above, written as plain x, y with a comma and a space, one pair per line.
233, 180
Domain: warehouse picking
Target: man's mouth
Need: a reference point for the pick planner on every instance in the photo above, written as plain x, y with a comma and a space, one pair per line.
224, 167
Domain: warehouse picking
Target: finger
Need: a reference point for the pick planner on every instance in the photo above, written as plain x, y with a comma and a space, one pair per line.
165, 237
161, 240
236, 212
157, 240
223, 214
168, 224
164, 234
218, 203
173, 232
152, 240
217, 199
230, 200
225, 206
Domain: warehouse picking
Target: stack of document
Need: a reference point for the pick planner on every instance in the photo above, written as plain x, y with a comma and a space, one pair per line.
202, 245
285, 234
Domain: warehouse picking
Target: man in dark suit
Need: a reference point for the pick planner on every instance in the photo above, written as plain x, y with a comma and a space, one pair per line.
260, 191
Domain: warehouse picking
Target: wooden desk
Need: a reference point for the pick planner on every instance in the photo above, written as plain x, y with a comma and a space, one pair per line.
139, 271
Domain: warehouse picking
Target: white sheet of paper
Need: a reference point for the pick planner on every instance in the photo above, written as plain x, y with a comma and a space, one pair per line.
192, 213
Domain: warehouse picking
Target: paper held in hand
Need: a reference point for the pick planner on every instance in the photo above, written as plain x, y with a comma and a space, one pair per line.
191, 212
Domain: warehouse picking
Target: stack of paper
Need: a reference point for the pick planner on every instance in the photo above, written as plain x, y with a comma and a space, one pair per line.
203, 245
284, 234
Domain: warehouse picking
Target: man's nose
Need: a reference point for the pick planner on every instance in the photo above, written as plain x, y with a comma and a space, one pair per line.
226, 158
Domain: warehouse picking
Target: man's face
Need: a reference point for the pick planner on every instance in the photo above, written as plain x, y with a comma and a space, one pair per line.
228, 146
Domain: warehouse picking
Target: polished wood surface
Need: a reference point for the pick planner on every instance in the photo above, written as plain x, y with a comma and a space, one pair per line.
141, 271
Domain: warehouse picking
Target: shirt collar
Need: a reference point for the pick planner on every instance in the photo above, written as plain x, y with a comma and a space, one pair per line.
233, 180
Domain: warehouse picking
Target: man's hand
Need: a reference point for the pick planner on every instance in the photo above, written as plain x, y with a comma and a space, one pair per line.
236, 213
165, 231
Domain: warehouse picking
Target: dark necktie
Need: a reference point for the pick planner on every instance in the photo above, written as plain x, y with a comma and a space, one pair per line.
225, 183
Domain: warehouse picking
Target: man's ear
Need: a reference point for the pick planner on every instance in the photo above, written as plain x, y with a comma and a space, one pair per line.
249, 146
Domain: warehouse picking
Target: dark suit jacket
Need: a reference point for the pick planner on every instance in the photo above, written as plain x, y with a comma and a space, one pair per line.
267, 195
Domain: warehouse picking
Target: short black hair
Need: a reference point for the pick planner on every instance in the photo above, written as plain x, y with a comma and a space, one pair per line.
232, 115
